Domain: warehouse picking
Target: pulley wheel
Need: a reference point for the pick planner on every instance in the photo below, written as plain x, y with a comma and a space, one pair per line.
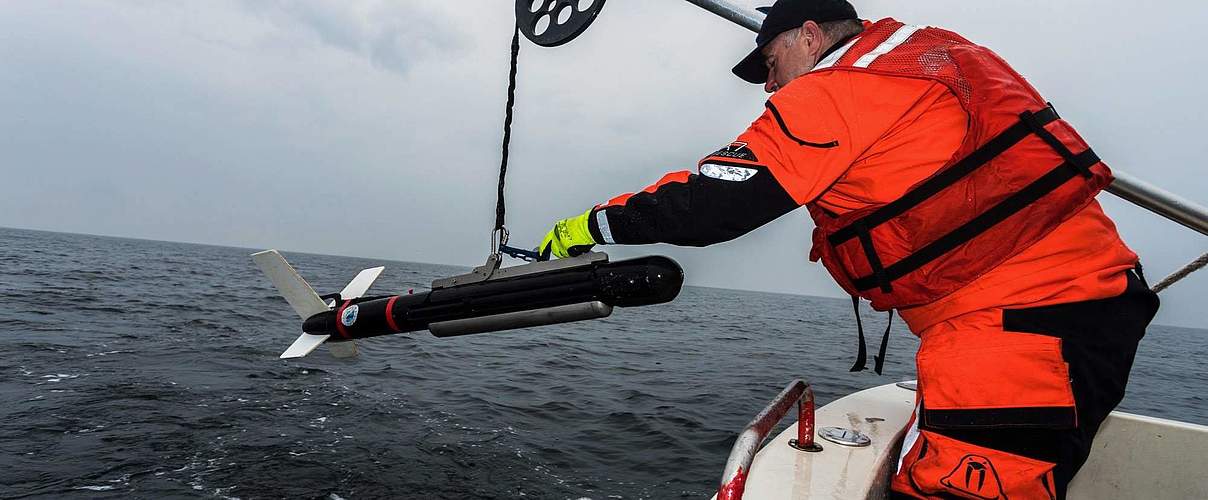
550, 23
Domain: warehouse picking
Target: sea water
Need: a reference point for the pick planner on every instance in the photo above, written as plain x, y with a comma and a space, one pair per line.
133, 368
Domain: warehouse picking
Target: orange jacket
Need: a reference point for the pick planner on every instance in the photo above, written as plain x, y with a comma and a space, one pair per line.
846, 141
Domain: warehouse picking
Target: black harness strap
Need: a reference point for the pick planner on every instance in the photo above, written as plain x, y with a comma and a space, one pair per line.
880, 357
1029, 123
1037, 128
998, 213
992, 148
862, 354
874, 260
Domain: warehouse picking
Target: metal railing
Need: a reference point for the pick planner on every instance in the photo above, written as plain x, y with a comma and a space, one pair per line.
738, 465
1125, 186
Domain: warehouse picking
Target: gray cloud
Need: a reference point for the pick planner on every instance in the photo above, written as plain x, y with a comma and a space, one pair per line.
392, 35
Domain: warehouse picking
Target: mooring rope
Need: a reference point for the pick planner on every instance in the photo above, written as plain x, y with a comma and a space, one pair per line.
1174, 277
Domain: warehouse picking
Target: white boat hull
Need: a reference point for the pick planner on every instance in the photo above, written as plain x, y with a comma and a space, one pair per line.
1133, 456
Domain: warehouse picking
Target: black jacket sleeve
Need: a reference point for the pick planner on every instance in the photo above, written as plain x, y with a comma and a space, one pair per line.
724, 200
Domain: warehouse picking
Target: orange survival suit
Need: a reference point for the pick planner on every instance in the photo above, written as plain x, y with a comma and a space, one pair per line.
942, 185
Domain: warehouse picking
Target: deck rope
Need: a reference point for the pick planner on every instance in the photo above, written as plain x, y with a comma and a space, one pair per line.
1174, 277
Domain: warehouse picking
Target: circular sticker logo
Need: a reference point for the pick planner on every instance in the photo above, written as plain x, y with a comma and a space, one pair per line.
350, 315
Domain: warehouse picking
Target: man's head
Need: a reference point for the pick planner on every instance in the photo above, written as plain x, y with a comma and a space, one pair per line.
795, 35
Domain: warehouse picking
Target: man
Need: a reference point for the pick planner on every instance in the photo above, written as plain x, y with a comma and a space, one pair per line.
943, 186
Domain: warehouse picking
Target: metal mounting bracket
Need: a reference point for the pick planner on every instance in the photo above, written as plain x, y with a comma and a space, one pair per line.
491, 270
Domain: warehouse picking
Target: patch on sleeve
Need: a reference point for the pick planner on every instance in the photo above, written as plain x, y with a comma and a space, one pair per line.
727, 172
737, 150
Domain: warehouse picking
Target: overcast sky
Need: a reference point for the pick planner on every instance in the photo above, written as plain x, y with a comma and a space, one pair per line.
372, 127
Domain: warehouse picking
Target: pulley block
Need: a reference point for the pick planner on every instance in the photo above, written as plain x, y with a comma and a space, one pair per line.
550, 23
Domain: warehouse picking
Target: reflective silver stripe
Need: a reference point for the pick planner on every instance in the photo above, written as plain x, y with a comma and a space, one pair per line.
899, 36
727, 172
834, 56
605, 231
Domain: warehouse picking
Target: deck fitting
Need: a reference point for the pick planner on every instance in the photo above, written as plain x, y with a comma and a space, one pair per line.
845, 437
796, 445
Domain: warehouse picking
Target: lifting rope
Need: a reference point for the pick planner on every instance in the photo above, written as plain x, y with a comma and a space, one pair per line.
499, 236
548, 23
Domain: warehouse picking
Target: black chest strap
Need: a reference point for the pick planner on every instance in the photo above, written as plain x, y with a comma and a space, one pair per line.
884, 273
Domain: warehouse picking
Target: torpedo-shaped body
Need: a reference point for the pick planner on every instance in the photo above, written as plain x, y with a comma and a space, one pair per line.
544, 293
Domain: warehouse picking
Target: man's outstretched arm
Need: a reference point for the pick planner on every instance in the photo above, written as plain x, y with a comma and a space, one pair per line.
726, 198
731, 193
796, 150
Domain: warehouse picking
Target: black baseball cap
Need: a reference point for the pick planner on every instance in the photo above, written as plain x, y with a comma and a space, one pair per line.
783, 16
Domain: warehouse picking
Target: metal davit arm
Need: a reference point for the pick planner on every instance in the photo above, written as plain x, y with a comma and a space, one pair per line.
1159, 201
741, 15
738, 465
1127, 187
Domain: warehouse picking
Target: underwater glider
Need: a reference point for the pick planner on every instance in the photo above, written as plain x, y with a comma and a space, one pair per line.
488, 299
